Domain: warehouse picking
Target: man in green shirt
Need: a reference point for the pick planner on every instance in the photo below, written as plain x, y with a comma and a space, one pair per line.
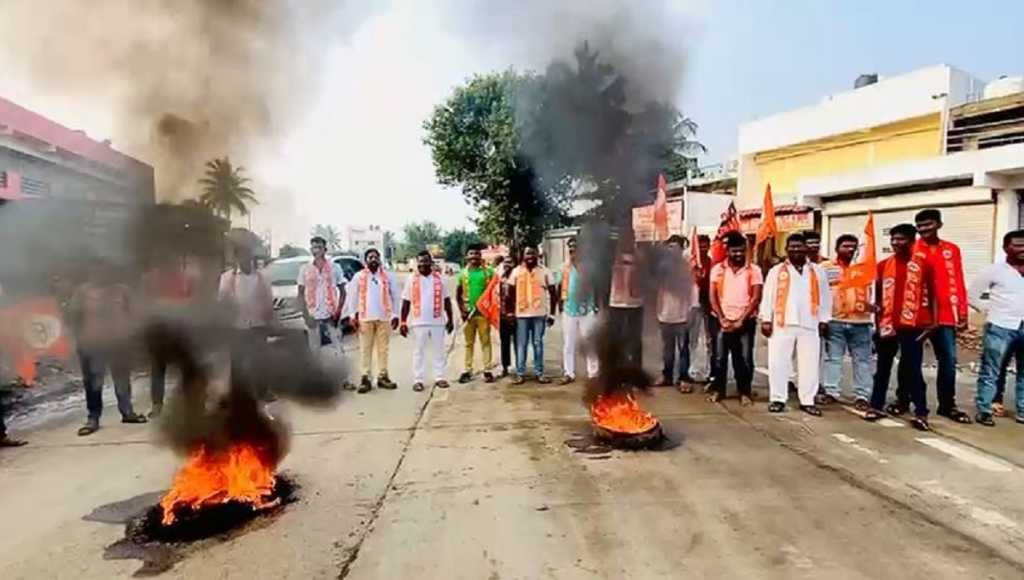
472, 282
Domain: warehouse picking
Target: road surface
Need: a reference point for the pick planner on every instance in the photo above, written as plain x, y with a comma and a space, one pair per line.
476, 482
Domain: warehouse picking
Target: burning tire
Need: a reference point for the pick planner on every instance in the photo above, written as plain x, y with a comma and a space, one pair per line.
646, 440
618, 421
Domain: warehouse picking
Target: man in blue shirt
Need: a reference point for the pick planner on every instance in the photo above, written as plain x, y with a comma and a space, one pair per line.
579, 315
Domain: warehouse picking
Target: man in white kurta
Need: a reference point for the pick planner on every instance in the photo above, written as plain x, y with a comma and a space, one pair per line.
795, 310
427, 314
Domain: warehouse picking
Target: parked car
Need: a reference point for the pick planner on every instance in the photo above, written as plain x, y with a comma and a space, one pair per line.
283, 274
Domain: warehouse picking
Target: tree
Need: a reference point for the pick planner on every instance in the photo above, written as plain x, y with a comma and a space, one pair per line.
389, 245
475, 144
290, 251
225, 188
456, 243
329, 233
416, 237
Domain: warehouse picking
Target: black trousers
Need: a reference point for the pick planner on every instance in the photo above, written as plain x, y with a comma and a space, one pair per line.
909, 382
738, 345
3, 426
628, 324
507, 337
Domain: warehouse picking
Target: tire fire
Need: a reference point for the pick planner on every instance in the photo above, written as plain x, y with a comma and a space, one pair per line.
618, 412
242, 473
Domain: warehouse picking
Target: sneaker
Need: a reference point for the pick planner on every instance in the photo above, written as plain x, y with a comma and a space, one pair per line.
134, 418
985, 419
488, 377
465, 377
383, 382
365, 385
91, 426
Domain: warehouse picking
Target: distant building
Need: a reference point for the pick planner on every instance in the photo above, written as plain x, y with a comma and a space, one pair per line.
928, 138
357, 240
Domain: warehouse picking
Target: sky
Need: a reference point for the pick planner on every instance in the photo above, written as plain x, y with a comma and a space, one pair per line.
353, 155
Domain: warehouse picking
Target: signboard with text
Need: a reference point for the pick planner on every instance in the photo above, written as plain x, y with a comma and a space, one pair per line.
643, 221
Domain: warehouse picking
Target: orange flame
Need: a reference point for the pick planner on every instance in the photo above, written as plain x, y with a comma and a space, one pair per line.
618, 411
241, 473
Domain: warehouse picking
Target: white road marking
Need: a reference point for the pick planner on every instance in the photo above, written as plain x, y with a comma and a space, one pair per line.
844, 438
798, 559
967, 455
979, 514
889, 423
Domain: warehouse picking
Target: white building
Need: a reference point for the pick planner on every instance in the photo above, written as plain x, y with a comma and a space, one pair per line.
357, 240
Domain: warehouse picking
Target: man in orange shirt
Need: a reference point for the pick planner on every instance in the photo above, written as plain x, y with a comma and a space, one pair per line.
850, 328
945, 271
535, 299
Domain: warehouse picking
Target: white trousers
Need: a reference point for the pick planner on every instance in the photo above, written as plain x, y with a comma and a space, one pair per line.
781, 345
576, 329
427, 338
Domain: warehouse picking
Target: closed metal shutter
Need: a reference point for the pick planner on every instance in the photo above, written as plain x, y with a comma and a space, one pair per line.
968, 226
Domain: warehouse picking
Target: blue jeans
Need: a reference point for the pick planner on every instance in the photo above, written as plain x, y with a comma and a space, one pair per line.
675, 337
856, 338
94, 371
943, 341
999, 343
530, 331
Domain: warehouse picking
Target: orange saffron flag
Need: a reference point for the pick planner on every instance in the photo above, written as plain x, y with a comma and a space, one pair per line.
730, 223
489, 303
661, 211
768, 227
32, 330
696, 261
864, 272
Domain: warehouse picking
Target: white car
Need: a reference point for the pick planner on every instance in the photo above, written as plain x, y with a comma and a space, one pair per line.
283, 274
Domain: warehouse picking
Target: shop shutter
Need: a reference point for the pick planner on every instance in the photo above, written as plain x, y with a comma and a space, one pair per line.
968, 226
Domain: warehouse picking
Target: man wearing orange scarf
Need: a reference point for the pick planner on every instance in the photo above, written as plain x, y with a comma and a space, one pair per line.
794, 313
535, 299
945, 272
426, 299
321, 296
850, 328
373, 304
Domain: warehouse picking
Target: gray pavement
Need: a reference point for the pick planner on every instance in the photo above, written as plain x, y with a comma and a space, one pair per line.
477, 482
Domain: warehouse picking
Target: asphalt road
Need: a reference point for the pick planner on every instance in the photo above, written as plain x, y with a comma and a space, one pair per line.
477, 482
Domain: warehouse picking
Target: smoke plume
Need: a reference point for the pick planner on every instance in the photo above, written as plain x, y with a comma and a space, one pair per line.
190, 79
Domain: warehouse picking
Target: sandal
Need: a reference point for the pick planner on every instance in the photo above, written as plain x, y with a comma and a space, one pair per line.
685, 388
998, 410
441, 384
956, 415
746, 401
920, 423
776, 407
417, 387
134, 418
872, 415
6, 441
861, 405
811, 410
715, 398
88, 429
985, 419
896, 409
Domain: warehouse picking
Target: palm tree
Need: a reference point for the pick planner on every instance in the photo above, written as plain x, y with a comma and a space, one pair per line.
329, 233
226, 189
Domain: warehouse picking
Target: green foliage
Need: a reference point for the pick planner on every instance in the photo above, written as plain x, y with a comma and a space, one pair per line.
225, 188
475, 145
456, 242
416, 237
329, 233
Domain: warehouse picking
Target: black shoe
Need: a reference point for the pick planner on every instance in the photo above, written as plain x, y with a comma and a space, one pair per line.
488, 377
1020, 419
441, 384
776, 407
824, 399
465, 378
791, 386
872, 415
862, 405
985, 419
134, 418
811, 410
91, 426
920, 423
897, 409
364, 385
417, 387
955, 415
6, 441
383, 382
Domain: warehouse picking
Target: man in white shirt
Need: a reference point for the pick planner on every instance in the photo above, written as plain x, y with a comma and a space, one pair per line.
1004, 332
794, 313
424, 296
247, 290
676, 295
373, 305
321, 296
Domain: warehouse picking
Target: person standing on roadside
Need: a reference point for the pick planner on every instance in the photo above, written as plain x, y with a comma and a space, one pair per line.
167, 285
945, 272
901, 319
674, 303
374, 302
625, 304
507, 310
849, 329
535, 299
1004, 330
425, 297
812, 239
321, 297
701, 319
736, 287
473, 281
100, 313
794, 316
579, 315
247, 291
